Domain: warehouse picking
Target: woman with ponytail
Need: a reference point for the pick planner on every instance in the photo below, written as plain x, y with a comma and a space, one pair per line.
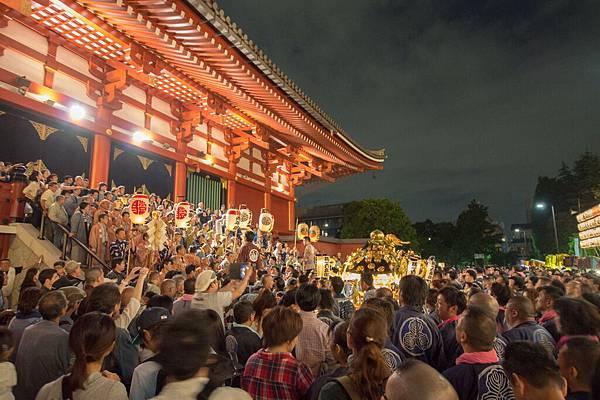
366, 336
92, 338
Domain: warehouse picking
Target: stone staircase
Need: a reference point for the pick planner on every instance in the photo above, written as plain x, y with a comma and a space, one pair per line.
25, 249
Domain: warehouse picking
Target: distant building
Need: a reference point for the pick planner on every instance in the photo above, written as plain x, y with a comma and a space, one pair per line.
328, 218
521, 241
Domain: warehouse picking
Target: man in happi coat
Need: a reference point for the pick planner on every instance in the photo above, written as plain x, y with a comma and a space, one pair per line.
414, 333
478, 373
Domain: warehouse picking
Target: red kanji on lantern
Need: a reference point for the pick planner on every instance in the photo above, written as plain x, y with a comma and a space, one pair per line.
139, 207
182, 212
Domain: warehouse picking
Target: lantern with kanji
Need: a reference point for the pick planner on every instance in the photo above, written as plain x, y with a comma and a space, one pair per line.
265, 221
314, 233
139, 208
182, 214
232, 219
245, 217
302, 230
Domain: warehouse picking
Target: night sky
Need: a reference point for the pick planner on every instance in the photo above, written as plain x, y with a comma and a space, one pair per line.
471, 99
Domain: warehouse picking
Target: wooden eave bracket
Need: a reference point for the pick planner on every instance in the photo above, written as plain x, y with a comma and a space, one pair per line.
188, 120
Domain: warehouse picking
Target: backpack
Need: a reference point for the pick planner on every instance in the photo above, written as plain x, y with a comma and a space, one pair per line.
349, 387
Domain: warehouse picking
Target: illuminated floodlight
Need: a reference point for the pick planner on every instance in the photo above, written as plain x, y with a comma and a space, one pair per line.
76, 112
141, 137
208, 160
540, 206
517, 230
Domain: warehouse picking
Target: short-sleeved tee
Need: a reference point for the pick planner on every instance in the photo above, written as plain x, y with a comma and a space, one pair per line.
216, 301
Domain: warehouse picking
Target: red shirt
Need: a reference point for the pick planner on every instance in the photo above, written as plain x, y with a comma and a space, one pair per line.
275, 376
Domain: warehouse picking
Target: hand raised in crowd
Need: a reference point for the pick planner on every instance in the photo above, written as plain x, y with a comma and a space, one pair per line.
133, 273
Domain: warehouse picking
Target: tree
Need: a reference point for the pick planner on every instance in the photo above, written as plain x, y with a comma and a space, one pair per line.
574, 189
475, 233
436, 239
587, 178
363, 217
458, 243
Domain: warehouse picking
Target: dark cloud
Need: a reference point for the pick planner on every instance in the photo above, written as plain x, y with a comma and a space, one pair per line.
471, 98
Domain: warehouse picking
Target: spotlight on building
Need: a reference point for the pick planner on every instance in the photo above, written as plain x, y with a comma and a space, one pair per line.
141, 137
77, 112
208, 160
23, 85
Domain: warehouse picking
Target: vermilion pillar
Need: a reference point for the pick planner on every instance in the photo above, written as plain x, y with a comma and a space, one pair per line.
231, 183
292, 209
267, 200
180, 182
100, 163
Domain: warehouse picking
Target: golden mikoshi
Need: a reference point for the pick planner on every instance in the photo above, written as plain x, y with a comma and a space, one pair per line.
383, 255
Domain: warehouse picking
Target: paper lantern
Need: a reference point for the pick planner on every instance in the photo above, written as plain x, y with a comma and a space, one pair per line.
322, 266
232, 219
139, 208
314, 233
302, 231
245, 217
182, 214
265, 221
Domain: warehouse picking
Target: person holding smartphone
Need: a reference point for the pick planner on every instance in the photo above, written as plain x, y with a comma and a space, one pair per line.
209, 294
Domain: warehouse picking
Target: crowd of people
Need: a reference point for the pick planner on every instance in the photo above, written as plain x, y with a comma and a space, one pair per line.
219, 315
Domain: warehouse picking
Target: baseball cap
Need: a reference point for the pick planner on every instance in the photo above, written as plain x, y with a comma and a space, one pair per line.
73, 294
149, 318
204, 280
71, 266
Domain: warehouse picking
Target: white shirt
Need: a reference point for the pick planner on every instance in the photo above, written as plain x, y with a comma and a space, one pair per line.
31, 190
216, 301
128, 314
47, 199
8, 379
97, 387
9, 284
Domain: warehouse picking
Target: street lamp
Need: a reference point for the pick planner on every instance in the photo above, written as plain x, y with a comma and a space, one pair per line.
542, 206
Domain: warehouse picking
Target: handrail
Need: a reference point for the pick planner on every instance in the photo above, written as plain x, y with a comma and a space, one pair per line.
66, 232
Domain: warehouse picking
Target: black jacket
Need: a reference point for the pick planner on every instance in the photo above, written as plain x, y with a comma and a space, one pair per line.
242, 341
531, 331
479, 381
417, 336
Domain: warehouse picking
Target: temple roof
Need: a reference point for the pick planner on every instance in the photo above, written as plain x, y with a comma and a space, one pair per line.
190, 52
229, 29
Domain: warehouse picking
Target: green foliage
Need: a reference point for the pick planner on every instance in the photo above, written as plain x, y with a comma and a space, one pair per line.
475, 233
573, 189
458, 243
437, 239
362, 217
